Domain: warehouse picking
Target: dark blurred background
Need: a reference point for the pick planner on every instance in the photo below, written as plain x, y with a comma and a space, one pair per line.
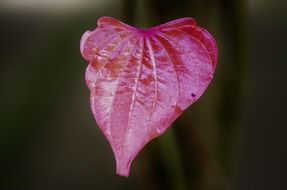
234, 137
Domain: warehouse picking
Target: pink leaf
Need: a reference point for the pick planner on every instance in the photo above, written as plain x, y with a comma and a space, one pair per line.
142, 79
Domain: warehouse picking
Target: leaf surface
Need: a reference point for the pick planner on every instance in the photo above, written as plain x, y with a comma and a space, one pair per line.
142, 79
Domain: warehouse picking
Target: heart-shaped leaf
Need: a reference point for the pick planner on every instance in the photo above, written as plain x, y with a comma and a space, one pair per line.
142, 79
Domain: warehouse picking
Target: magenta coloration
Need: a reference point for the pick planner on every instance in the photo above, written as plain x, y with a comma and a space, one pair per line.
142, 79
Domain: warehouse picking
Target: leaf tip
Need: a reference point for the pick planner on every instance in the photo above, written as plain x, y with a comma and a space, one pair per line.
123, 167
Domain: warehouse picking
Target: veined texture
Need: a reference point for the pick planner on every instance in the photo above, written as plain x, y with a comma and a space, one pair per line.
142, 79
